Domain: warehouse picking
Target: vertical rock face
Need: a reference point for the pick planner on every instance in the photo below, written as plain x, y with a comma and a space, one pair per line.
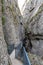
3, 47
33, 15
12, 27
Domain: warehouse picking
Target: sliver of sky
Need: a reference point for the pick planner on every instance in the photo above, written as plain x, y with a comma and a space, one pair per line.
20, 3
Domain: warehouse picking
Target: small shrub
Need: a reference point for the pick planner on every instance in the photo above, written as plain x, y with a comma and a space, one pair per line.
3, 20
2, 1
2, 9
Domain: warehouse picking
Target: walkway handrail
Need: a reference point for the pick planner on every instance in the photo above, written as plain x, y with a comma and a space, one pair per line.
26, 58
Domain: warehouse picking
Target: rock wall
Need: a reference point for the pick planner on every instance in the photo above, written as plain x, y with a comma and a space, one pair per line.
12, 27
33, 15
4, 60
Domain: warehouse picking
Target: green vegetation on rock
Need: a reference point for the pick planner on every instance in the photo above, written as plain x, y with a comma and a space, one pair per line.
2, 9
2, 5
3, 20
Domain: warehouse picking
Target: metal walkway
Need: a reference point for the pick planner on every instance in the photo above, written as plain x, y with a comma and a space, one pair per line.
25, 57
15, 61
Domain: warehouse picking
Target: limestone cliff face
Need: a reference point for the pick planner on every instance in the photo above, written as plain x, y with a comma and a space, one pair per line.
3, 46
33, 15
12, 27
31, 23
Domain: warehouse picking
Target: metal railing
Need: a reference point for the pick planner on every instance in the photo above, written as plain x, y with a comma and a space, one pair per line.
26, 57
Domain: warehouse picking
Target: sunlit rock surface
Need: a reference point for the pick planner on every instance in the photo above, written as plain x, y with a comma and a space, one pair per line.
33, 14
